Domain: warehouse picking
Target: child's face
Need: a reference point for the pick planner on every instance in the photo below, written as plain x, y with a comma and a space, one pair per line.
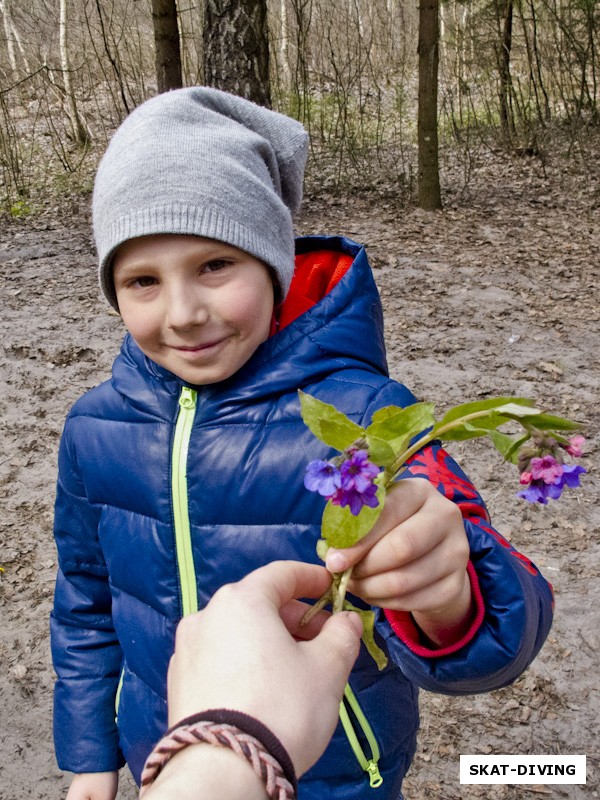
196, 306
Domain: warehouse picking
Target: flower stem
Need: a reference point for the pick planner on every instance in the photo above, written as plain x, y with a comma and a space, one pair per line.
314, 609
339, 594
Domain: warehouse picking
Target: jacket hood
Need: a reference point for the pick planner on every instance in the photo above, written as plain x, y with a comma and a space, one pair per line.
344, 330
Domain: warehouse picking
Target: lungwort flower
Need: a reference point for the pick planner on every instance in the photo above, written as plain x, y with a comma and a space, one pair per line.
545, 476
352, 484
575, 446
322, 477
546, 469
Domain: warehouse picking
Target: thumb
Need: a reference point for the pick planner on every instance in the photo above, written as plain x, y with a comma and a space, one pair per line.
341, 560
338, 644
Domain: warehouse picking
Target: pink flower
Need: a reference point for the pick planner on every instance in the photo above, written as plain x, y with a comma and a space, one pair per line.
525, 478
575, 446
546, 469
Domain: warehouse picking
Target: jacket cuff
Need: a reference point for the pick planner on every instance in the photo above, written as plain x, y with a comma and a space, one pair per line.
405, 629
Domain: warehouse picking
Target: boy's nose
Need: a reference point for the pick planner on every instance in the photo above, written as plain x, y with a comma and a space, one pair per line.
185, 309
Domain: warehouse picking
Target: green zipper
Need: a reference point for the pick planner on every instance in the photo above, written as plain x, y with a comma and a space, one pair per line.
369, 765
183, 537
187, 575
118, 694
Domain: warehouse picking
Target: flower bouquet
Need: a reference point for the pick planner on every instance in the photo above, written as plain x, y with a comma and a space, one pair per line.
356, 482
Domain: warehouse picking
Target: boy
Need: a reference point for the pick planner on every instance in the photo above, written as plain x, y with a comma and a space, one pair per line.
185, 471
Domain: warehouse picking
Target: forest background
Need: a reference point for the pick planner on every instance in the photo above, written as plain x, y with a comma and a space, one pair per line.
508, 74
487, 108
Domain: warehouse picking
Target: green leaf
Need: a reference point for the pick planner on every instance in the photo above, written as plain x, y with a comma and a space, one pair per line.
550, 422
471, 430
393, 422
327, 423
508, 446
368, 635
322, 548
381, 452
477, 419
340, 528
397, 426
515, 411
492, 403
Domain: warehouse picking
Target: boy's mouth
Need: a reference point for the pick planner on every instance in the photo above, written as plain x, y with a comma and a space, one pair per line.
199, 348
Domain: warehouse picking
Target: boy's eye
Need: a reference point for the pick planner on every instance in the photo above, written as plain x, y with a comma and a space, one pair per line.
144, 281
215, 265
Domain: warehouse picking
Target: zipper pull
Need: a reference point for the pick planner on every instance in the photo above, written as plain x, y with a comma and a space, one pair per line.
375, 779
187, 398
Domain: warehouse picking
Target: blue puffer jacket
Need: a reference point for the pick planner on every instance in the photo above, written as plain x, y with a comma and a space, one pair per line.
133, 557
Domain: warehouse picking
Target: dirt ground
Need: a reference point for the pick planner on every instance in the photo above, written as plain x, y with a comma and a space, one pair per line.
499, 294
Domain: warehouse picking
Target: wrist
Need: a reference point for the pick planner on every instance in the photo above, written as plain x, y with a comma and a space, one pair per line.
203, 772
450, 623
245, 736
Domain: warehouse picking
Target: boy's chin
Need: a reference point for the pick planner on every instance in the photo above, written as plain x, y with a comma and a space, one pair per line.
204, 375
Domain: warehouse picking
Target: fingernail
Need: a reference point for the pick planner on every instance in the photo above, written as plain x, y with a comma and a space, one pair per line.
336, 561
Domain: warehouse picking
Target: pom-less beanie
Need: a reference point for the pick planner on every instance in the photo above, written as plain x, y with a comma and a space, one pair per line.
201, 161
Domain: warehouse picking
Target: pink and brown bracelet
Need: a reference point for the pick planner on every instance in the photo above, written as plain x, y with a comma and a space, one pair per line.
243, 734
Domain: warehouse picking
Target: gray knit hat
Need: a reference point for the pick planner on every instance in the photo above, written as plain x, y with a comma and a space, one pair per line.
204, 162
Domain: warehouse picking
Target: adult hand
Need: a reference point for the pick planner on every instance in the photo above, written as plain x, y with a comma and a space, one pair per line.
414, 560
243, 652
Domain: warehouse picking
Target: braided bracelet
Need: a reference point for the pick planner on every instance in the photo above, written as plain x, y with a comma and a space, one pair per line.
243, 734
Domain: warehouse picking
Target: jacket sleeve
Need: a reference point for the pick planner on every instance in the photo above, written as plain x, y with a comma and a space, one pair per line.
515, 601
85, 650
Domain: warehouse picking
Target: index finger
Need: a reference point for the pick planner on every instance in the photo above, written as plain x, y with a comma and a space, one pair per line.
404, 499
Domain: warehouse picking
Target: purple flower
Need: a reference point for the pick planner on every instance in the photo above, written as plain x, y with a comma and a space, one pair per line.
355, 499
322, 477
358, 473
353, 484
357, 483
546, 469
540, 492
570, 476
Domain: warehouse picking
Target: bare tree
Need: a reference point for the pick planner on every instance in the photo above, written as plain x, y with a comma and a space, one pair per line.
12, 37
236, 48
503, 56
166, 45
81, 133
429, 192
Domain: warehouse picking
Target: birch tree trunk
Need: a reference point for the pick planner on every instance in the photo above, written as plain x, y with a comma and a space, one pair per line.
236, 48
10, 44
283, 48
81, 133
12, 37
429, 192
167, 49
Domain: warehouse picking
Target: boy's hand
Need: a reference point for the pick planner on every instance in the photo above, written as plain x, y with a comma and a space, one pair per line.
94, 786
414, 560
